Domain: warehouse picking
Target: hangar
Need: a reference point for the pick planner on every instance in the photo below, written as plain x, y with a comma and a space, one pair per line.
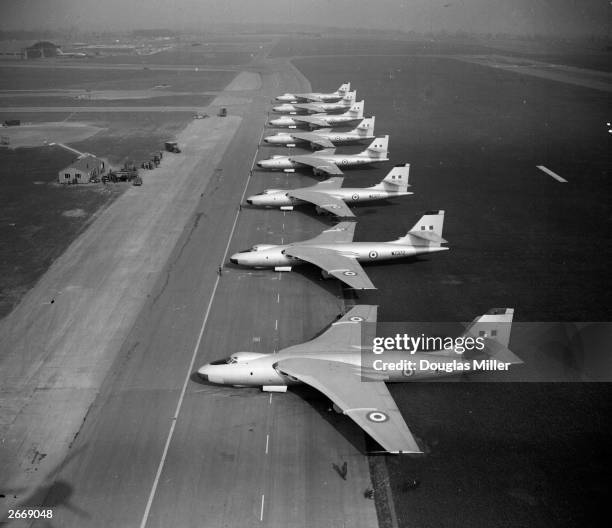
41, 50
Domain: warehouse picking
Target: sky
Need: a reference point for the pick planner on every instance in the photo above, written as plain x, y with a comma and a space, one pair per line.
522, 17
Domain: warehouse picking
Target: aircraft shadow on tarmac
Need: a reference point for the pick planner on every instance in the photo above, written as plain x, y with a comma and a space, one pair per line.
343, 424
359, 209
317, 401
53, 494
312, 273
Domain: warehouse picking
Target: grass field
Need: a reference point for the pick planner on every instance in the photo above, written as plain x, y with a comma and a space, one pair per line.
36, 230
110, 79
39, 218
183, 56
161, 100
47, 216
130, 136
499, 454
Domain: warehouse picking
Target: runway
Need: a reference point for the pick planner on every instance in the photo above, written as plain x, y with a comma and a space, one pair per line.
236, 457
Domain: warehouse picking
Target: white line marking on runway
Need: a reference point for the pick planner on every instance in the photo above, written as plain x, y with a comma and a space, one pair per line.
551, 173
270, 400
267, 442
278, 297
262, 507
276, 324
160, 467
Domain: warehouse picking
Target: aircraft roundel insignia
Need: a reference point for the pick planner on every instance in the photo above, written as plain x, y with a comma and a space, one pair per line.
373, 254
377, 417
350, 273
344, 162
355, 197
356, 319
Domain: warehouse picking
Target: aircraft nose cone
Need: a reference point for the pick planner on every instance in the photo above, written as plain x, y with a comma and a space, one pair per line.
203, 373
260, 163
233, 260
249, 201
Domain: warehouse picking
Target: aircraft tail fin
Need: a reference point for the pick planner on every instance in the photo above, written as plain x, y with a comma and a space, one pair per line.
344, 88
365, 127
426, 232
495, 326
396, 180
356, 110
378, 148
349, 97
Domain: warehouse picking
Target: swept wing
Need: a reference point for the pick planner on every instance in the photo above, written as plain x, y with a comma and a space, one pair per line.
343, 267
311, 120
314, 139
341, 232
368, 403
329, 203
320, 164
343, 335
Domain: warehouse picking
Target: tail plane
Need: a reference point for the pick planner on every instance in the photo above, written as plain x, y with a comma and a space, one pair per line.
396, 180
426, 232
350, 97
355, 111
365, 127
378, 148
344, 88
495, 326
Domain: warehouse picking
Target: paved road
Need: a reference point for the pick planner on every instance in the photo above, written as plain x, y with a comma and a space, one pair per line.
146, 455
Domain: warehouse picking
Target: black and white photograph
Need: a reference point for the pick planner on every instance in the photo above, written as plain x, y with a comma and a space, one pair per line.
305, 263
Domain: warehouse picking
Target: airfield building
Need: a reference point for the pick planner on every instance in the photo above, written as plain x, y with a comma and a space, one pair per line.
41, 50
82, 170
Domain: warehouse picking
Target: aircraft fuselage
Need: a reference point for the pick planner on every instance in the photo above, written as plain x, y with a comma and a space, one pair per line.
329, 120
281, 199
392, 366
276, 257
337, 139
351, 160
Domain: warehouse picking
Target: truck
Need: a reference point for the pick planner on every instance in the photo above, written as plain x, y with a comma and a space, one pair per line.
172, 146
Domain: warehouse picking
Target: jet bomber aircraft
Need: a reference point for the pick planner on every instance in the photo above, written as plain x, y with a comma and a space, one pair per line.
330, 196
326, 161
354, 113
314, 108
333, 364
316, 96
324, 137
338, 256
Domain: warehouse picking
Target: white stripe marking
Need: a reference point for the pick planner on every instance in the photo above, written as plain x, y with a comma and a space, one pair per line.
160, 467
262, 507
267, 442
276, 324
551, 173
278, 297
